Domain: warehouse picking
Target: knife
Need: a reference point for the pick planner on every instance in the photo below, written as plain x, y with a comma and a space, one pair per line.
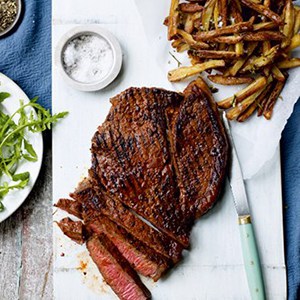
248, 241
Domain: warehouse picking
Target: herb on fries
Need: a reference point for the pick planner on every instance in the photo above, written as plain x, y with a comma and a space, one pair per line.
14, 144
244, 42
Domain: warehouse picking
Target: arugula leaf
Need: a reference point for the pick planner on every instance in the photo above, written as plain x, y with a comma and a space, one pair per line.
14, 144
3, 96
29, 148
21, 176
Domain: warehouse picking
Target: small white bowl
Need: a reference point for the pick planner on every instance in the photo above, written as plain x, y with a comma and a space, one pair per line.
14, 23
90, 30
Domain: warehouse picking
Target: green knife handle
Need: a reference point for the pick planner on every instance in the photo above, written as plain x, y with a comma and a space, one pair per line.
251, 259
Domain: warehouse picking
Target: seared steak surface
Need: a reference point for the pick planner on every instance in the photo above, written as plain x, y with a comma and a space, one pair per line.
158, 163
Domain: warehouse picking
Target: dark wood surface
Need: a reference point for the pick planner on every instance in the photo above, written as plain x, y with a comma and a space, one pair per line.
26, 241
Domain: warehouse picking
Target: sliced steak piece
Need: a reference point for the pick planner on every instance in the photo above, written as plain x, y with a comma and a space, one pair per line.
131, 161
72, 207
73, 229
95, 204
116, 270
142, 258
199, 148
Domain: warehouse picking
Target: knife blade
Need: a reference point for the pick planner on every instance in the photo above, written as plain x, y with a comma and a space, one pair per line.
248, 241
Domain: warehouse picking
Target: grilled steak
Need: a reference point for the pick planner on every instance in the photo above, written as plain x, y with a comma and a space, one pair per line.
95, 204
152, 168
116, 270
142, 258
73, 229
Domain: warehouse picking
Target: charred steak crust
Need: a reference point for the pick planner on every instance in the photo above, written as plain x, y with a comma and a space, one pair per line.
95, 204
142, 258
116, 270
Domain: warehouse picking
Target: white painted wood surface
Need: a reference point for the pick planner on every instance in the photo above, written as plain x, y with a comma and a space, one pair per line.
213, 269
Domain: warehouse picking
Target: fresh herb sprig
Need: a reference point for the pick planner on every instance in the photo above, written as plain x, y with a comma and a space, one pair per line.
14, 143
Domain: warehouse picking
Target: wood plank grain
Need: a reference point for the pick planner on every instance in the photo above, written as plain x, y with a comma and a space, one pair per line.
36, 276
10, 256
26, 242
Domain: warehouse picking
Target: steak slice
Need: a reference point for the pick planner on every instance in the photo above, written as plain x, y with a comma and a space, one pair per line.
72, 207
199, 149
116, 270
95, 204
142, 258
73, 229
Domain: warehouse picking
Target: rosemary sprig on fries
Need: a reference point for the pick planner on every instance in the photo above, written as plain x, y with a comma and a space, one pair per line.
244, 42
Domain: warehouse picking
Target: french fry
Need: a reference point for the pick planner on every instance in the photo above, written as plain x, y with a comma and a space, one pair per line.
231, 39
241, 107
256, 85
295, 42
182, 47
173, 19
266, 47
184, 72
231, 29
216, 16
240, 62
264, 10
215, 54
277, 74
289, 19
223, 12
268, 109
264, 98
235, 12
207, 13
297, 22
262, 36
264, 26
229, 80
267, 3
239, 49
190, 7
189, 23
248, 112
261, 61
256, 104
190, 40
289, 63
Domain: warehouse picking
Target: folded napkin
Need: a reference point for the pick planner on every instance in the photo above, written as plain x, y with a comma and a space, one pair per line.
25, 55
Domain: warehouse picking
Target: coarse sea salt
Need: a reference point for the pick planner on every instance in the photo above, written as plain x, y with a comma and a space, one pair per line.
88, 58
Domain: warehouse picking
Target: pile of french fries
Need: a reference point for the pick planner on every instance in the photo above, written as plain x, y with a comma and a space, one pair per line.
244, 42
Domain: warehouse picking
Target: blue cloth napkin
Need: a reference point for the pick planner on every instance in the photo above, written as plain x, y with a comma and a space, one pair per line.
25, 55
290, 158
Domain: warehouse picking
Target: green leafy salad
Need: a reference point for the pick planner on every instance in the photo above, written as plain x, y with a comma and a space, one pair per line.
14, 144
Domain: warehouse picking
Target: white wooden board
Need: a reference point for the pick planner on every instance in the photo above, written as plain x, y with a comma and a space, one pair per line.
213, 269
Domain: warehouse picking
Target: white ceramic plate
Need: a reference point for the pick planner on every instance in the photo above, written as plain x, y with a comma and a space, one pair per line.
15, 198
